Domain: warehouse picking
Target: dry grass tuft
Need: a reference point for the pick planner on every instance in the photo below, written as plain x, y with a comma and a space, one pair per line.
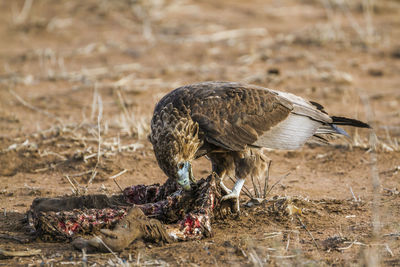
387, 144
261, 189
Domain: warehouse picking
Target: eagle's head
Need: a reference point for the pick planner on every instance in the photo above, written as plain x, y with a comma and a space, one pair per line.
175, 143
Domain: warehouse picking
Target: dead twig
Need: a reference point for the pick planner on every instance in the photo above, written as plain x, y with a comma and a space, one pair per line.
305, 228
354, 196
375, 181
81, 173
392, 235
23, 15
51, 153
117, 175
26, 104
284, 257
389, 250
19, 240
74, 188
120, 261
51, 167
122, 105
27, 253
99, 117
283, 177
272, 235
349, 246
227, 35
288, 242
115, 181
266, 180
256, 193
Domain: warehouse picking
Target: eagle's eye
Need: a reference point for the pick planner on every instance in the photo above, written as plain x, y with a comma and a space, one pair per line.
181, 165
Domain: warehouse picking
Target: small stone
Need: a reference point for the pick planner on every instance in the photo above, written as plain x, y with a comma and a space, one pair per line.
396, 53
273, 71
375, 72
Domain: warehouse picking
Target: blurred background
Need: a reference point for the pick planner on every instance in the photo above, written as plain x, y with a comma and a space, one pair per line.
79, 81
55, 52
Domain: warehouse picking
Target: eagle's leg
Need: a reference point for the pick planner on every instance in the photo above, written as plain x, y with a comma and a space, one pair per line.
232, 163
246, 163
223, 165
235, 193
226, 190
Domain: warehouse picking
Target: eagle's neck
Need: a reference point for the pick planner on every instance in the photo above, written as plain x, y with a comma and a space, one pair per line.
186, 133
175, 138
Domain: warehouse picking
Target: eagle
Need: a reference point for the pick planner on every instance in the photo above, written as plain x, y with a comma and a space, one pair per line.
230, 123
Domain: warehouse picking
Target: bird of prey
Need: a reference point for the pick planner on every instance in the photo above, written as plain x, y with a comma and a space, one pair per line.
230, 123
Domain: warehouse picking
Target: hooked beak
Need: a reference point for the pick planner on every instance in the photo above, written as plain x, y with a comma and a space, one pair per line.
185, 176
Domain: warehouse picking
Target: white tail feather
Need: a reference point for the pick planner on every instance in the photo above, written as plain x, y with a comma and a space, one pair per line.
289, 134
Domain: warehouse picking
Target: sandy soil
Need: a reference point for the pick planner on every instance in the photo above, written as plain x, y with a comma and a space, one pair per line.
68, 67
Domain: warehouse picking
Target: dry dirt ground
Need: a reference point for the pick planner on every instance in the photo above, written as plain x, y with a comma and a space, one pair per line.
79, 80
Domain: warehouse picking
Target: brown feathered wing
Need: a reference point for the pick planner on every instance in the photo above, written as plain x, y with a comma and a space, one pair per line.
233, 116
